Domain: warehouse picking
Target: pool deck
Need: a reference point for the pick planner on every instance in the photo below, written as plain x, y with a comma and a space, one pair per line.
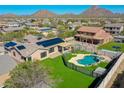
80, 56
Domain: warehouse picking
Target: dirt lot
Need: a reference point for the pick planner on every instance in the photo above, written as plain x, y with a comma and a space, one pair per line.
3, 78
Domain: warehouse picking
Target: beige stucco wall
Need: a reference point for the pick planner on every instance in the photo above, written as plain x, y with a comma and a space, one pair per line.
108, 39
37, 54
55, 51
17, 57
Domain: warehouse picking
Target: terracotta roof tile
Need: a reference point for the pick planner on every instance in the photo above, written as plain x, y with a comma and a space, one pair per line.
89, 29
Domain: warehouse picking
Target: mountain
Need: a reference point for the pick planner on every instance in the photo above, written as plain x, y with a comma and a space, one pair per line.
68, 15
8, 15
44, 13
97, 11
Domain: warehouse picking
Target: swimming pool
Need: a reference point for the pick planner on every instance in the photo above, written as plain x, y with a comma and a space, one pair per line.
89, 59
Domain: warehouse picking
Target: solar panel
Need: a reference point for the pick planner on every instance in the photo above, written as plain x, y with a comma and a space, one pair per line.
50, 42
21, 47
10, 44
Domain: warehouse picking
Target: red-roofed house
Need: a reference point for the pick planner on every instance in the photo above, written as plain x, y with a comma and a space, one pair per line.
93, 35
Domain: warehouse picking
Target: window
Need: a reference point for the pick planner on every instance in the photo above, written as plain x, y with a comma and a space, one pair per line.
14, 53
29, 58
43, 54
51, 50
65, 48
24, 58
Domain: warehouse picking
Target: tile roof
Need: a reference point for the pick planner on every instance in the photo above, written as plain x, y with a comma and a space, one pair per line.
99, 32
89, 29
29, 49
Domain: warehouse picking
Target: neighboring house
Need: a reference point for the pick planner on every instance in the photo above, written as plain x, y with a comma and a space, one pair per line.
114, 28
46, 21
93, 23
45, 30
74, 25
119, 39
31, 25
2, 24
92, 35
32, 38
11, 29
38, 50
13, 24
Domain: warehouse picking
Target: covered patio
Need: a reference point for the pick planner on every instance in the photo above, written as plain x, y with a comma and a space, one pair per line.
88, 39
64, 47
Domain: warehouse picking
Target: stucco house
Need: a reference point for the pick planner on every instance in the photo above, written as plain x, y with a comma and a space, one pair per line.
37, 50
11, 29
92, 35
114, 28
13, 24
119, 39
74, 25
31, 25
46, 30
32, 38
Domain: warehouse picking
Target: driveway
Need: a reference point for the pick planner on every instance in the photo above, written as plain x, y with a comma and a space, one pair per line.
6, 64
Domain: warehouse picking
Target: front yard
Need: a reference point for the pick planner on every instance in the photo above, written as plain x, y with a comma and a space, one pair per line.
109, 46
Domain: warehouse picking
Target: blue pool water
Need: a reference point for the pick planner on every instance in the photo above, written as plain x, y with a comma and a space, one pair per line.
88, 60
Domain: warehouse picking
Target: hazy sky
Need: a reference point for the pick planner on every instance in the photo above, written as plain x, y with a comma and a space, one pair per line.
59, 9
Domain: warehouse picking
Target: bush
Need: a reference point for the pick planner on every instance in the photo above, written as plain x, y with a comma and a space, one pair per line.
27, 75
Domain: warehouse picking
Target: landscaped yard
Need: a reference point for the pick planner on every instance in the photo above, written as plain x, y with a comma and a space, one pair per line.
65, 77
101, 64
109, 46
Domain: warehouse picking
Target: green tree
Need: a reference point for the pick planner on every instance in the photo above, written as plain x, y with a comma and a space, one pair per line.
122, 33
27, 75
51, 35
66, 34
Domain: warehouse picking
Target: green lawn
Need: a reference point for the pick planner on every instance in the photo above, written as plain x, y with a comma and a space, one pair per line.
109, 45
65, 77
101, 64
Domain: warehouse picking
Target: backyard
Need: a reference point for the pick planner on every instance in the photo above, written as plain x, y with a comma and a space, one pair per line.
66, 77
110, 45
